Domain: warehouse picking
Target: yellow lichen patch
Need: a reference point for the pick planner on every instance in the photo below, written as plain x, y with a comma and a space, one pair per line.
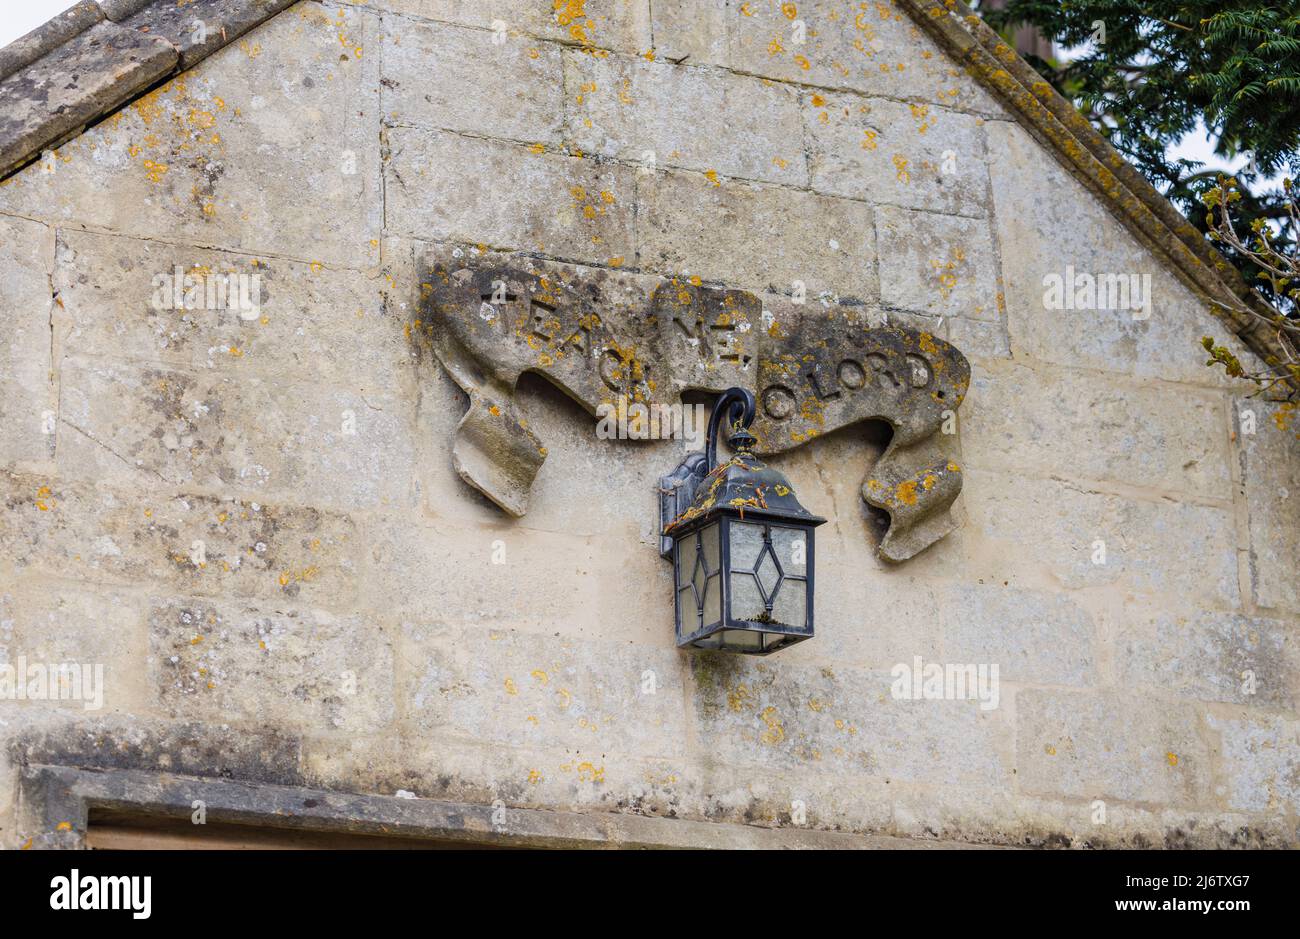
869, 138
737, 697
534, 777
1049, 749
540, 676
906, 492
1171, 758
775, 732
900, 167
510, 686
154, 171
588, 772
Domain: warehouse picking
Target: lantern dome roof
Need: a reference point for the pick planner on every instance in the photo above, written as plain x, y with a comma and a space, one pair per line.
747, 487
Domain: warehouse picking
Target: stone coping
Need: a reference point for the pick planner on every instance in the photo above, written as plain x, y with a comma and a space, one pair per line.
92, 59
55, 804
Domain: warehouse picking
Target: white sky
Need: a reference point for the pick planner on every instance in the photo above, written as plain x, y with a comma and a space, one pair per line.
19, 17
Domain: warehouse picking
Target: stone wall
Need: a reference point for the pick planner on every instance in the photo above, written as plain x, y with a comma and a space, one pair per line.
255, 525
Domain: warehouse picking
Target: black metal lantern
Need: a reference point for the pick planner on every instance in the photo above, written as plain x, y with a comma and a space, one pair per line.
740, 543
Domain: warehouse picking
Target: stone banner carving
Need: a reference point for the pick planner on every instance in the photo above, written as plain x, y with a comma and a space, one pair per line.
813, 367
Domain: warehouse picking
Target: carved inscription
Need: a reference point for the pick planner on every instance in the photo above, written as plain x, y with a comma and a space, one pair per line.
606, 338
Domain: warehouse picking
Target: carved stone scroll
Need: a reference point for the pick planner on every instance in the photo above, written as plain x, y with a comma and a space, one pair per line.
595, 334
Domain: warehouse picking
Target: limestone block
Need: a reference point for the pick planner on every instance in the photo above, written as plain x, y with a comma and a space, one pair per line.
757, 237
872, 48
1033, 636
913, 155
1104, 745
623, 25
1205, 656
1270, 467
27, 396
508, 196
505, 575
1062, 529
452, 78
1049, 225
1090, 425
245, 436
1261, 762
530, 690
183, 306
268, 146
222, 661
101, 632
189, 544
843, 722
942, 265
657, 114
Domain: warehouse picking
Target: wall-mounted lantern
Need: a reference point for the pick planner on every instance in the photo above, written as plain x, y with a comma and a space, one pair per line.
740, 543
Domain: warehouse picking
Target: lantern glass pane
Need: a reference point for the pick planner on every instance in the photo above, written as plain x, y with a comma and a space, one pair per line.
791, 547
685, 559
746, 600
742, 639
746, 543
791, 606
709, 538
713, 601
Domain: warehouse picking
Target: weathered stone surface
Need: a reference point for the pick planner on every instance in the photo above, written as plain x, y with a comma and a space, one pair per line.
314, 671
1262, 762
1205, 656
474, 81
1033, 636
504, 577
159, 303
101, 632
842, 721
1054, 527
522, 689
65, 738
1060, 421
27, 405
655, 114
90, 74
873, 48
591, 25
508, 196
942, 265
1092, 745
221, 22
1072, 232
1270, 469
755, 236
219, 155
913, 155
191, 543
235, 435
